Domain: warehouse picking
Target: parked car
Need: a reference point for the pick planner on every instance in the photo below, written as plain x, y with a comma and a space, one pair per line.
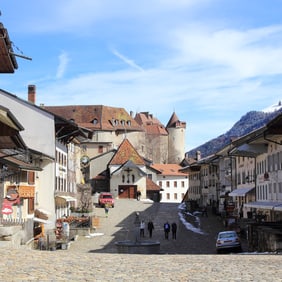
228, 240
106, 198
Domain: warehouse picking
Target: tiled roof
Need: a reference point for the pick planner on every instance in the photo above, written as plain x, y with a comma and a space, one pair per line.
175, 122
151, 124
156, 129
146, 118
169, 169
173, 119
151, 185
126, 152
97, 117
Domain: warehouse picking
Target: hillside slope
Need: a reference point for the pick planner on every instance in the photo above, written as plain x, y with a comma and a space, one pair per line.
249, 122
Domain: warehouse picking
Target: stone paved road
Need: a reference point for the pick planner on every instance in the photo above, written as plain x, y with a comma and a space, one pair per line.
95, 258
120, 226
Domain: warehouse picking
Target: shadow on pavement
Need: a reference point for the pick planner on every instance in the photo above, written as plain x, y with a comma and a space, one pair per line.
121, 226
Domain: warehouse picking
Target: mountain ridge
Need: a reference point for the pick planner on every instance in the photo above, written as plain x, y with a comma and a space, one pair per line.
247, 123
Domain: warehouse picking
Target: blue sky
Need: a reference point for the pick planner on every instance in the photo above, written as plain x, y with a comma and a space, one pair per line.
210, 61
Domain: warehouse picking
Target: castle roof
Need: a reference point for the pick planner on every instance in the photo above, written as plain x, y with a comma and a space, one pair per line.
97, 117
175, 122
151, 124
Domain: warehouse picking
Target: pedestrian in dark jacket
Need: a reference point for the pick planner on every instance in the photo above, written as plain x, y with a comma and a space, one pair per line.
166, 229
174, 229
150, 228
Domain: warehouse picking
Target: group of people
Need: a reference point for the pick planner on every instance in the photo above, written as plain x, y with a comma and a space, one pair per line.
150, 227
173, 228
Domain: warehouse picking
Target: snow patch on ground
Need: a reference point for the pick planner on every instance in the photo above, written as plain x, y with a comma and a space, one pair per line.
187, 224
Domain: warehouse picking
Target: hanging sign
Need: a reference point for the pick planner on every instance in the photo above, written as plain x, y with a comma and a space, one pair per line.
7, 209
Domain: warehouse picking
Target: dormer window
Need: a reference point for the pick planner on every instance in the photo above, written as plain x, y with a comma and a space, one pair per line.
129, 122
95, 121
122, 122
114, 122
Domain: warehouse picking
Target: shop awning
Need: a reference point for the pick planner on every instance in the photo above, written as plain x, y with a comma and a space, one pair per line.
12, 161
42, 220
67, 198
265, 205
278, 207
44, 211
241, 192
41, 214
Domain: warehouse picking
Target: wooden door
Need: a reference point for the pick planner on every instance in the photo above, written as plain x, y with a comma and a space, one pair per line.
127, 191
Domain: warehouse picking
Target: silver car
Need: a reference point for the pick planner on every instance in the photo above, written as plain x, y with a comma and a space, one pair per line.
228, 240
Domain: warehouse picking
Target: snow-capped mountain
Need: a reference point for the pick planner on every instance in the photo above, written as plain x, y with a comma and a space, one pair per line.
273, 108
249, 122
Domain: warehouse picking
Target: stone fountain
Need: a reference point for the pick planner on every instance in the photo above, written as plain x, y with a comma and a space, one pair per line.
138, 246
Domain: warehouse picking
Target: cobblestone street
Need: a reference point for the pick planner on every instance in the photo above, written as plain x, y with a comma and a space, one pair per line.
94, 258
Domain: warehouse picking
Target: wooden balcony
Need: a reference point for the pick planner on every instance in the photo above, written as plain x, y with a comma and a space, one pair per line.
8, 62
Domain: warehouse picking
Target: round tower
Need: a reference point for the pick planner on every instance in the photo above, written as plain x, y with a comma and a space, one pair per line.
176, 139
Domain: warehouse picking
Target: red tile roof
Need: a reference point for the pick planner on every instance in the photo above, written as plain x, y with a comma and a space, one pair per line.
175, 122
169, 169
97, 117
151, 124
126, 152
151, 185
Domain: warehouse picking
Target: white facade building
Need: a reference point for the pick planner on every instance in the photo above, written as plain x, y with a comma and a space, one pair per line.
174, 184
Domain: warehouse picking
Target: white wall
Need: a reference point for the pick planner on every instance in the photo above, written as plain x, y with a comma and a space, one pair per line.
38, 135
39, 126
171, 190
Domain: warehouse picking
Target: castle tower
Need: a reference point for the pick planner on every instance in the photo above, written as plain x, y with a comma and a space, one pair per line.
176, 139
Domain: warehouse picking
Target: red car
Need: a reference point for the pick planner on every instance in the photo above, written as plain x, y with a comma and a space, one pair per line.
106, 198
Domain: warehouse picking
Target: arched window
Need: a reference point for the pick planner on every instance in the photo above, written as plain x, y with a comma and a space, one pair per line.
123, 178
133, 178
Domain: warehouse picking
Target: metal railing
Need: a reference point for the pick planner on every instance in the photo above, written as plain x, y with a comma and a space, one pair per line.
12, 221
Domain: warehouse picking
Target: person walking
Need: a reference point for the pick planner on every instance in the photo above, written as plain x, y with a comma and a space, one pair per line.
142, 228
150, 228
174, 229
166, 229
205, 211
106, 207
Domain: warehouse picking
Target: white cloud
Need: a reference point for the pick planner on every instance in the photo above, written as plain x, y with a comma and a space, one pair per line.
63, 62
129, 62
209, 69
246, 53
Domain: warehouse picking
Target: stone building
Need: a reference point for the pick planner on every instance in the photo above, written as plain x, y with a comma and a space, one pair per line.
111, 125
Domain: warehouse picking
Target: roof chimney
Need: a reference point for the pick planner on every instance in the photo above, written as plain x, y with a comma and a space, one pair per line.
31, 94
